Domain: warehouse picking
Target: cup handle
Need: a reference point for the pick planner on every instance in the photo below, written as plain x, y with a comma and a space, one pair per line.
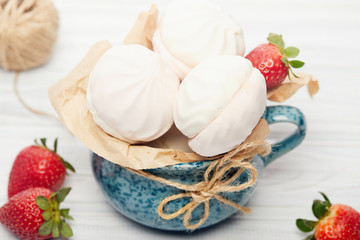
287, 114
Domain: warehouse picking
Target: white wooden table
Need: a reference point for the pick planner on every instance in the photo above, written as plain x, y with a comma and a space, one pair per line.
328, 35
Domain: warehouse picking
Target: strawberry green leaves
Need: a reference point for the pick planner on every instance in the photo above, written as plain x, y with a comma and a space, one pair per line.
276, 39
65, 230
43, 141
55, 231
43, 144
47, 215
296, 63
337, 222
68, 165
320, 209
65, 214
55, 145
289, 52
53, 216
61, 194
325, 197
43, 203
46, 228
305, 225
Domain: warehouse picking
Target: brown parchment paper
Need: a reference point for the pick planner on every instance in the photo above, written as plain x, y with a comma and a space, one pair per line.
290, 86
68, 97
144, 28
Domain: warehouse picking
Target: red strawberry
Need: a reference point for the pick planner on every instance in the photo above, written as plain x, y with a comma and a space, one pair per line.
336, 222
272, 60
34, 214
37, 166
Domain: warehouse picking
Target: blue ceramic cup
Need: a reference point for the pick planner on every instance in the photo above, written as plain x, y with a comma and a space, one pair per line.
138, 197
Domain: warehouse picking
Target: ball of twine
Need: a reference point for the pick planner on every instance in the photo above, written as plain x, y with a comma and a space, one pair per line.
28, 31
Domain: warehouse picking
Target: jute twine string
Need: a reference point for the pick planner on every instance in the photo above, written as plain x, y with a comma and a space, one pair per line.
28, 31
27, 106
214, 183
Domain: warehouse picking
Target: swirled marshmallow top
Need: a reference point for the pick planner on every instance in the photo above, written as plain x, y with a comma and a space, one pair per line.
131, 94
191, 31
219, 103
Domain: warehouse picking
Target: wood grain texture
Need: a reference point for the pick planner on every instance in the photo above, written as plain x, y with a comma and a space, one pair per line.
327, 33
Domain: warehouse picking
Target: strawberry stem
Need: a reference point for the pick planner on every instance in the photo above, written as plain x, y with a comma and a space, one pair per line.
292, 72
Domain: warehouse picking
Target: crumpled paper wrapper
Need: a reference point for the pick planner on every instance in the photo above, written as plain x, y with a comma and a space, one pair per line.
290, 86
68, 97
143, 29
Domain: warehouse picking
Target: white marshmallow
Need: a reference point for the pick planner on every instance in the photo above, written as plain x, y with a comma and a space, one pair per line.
179, 68
207, 89
131, 94
219, 103
191, 31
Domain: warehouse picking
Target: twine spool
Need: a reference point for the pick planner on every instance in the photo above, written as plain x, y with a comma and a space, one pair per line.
28, 31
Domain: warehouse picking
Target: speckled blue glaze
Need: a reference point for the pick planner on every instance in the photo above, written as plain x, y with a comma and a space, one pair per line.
138, 197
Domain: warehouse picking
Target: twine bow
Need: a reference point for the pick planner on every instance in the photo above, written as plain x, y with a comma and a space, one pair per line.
215, 182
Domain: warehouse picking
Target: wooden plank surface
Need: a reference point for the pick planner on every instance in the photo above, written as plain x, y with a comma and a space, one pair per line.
328, 35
